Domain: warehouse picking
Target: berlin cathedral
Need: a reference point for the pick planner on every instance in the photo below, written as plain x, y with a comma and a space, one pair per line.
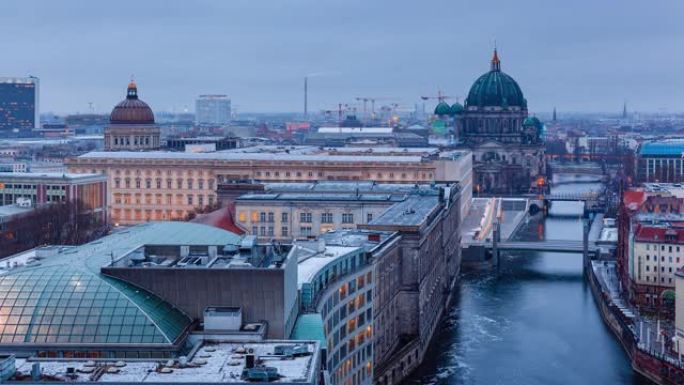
507, 144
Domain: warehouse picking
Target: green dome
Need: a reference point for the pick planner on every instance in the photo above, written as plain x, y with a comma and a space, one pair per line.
442, 109
456, 109
532, 121
496, 89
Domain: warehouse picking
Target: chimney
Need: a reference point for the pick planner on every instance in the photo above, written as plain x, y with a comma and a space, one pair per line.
373, 237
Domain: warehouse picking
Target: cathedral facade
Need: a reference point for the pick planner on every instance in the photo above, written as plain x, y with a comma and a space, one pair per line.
507, 144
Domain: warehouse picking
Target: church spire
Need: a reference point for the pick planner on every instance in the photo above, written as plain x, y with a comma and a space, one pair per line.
496, 63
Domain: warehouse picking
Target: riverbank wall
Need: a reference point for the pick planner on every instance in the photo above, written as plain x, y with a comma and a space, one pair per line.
656, 367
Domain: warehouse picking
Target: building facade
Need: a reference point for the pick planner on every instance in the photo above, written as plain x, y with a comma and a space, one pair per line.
336, 278
660, 162
658, 254
42, 188
147, 186
284, 211
19, 105
131, 125
413, 287
214, 110
507, 144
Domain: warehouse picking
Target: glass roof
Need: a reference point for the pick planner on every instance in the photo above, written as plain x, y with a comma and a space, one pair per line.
58, 304
65, 299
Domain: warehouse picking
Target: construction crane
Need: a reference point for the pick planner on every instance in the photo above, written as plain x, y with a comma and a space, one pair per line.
342, 108
438, 97
365, 100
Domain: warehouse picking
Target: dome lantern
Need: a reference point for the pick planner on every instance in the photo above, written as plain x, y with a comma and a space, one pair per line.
132, 110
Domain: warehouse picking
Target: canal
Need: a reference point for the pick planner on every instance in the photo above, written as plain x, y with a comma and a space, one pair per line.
536, 323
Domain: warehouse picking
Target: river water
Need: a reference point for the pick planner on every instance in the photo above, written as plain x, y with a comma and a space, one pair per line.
534, 323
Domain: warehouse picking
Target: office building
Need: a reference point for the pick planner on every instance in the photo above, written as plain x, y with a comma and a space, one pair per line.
286, 211
19, 105
212, 110
336, 283
660, 161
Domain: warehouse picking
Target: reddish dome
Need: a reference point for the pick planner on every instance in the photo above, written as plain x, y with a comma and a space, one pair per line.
132, 110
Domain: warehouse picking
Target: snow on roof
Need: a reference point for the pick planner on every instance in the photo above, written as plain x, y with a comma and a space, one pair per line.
310, 262
246, 156
214, 362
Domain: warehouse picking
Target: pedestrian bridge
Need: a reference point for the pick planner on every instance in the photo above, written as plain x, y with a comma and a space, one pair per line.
558, 246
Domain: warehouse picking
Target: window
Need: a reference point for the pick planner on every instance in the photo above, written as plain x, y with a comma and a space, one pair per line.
262, 231
200, 184
271, 217
179, 183
159, 184
369, 217
190, 181
305, 230
326, 218
168, 183
189, 199
137, 183
262, 217
283, 217
284, 231
270, 231
117, 182
305, 217
254, 230
347, 218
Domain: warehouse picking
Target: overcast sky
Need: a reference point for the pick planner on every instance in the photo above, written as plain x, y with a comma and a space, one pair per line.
578, 55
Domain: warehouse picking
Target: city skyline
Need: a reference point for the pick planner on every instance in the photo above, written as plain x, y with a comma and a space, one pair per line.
578, 57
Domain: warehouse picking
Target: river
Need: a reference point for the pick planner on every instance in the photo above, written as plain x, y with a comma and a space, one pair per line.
534, 323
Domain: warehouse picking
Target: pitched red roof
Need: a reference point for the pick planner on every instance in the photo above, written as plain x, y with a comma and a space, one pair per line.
633, 199
221, 218
659, 235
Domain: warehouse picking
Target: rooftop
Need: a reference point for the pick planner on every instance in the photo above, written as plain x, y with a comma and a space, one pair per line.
669, 147
11, 210
411, 212
213, 362
48, 176
364, 188
350, 197
288, 153
57, 295
660, 234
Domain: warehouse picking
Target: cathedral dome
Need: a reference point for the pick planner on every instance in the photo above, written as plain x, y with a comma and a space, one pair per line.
456, 109
442, 109
532, 121
132, 110
495, 89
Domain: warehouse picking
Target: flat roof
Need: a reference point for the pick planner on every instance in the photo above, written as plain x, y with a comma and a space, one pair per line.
364, 187
412, 212
229, 156
9, 210
670, 147
49, 176
332, 197
213, 362
310, 262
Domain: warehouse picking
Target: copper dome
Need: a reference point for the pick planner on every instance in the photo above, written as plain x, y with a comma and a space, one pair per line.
132, 110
